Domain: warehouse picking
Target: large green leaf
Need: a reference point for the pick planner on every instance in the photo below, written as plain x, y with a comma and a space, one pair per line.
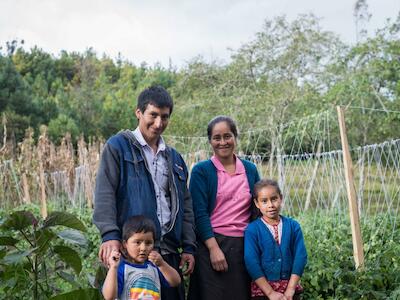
81, 294
17, 257
70, 257
7, 241
43, 239
73, 237
69, 278
101, 274
19, 220
64, 219
3, 252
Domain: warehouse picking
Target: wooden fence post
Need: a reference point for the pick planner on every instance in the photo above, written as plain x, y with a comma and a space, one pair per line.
358, 250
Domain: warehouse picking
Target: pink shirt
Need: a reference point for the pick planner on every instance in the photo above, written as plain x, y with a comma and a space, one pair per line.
232, 209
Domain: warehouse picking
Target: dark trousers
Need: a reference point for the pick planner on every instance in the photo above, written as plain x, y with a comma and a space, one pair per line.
173, 293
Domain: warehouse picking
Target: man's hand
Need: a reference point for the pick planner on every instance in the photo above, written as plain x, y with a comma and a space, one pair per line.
106, 249
188, 260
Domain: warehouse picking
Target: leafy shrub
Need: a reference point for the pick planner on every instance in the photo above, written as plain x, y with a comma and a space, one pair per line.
40, 258
330, 272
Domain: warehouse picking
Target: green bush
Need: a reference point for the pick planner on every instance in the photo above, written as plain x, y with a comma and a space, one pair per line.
41, 259
330, 272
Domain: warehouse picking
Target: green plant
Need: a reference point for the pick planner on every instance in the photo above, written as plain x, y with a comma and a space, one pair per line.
39, 257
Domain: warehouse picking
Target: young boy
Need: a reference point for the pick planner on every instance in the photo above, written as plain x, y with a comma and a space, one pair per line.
141, 272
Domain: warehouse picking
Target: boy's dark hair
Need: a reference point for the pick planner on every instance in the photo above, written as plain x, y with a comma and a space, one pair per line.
219, 119
157, 96
265, 183
137, 224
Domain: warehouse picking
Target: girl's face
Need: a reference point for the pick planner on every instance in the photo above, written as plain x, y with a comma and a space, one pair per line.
139, 246
269, 203
223, 141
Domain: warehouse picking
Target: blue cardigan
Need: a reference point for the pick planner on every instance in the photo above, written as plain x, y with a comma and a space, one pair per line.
203, 188
264, 257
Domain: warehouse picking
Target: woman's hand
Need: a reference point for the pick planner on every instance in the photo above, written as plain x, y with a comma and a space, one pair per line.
218, 260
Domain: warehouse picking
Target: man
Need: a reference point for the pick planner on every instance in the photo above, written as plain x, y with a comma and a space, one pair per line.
140, 175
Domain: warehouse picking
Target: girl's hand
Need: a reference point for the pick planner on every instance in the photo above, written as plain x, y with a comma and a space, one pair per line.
114, 259
156, 258
289, 293
218, 260
277, 296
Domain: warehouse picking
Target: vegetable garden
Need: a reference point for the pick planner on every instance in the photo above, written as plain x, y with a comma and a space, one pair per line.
51, 252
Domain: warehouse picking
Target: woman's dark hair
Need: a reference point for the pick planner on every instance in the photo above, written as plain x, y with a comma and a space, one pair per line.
137, 224
219, 119
265, 183
157, 96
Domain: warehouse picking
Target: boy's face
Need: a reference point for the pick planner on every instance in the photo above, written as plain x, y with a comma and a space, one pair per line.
138, 246
269, 202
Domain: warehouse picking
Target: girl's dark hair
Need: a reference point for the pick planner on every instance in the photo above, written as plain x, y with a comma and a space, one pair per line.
218, 119
137, 224
265, 183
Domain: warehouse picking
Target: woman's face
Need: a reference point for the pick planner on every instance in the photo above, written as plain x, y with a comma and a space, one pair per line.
223, 140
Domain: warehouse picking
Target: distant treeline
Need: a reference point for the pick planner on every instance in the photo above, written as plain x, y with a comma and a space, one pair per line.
287, 71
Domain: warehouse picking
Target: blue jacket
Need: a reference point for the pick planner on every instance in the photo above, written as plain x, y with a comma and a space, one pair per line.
264, 257
203, 188
124, 188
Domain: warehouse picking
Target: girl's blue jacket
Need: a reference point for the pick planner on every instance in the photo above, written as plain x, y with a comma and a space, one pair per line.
264, 257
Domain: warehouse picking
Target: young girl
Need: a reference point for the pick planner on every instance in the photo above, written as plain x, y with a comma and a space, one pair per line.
142, 274
274, 250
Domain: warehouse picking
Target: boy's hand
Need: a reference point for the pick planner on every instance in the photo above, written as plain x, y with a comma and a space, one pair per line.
114, 259
156, 258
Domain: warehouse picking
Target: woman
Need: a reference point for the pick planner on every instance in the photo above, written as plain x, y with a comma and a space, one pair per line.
221, 189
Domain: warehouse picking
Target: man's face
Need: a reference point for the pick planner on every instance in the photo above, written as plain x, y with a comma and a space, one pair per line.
152, 122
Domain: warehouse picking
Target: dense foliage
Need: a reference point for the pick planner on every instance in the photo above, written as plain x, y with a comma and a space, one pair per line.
39, 259
288, 70
330, 272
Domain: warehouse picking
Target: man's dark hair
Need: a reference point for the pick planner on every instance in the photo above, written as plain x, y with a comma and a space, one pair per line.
219, 119
137, 224
157, 96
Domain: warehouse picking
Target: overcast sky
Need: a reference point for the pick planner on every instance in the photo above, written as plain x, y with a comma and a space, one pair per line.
157, 30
